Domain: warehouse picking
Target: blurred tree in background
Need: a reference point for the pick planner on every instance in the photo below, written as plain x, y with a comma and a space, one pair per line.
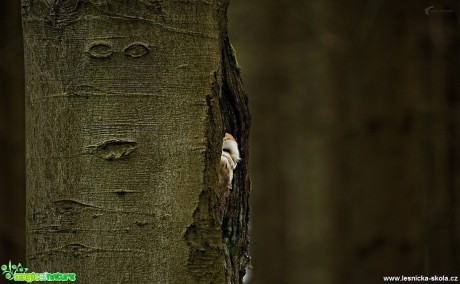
355, 150
12, 144
355, 156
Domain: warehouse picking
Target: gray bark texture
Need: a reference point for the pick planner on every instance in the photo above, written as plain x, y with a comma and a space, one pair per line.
126, 106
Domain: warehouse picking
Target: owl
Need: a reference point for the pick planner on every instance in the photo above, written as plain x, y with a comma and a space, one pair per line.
228, 161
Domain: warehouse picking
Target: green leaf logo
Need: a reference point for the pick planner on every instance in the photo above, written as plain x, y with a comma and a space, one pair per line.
11, 269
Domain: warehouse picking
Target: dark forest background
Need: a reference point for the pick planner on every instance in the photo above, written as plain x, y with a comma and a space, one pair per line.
355, 142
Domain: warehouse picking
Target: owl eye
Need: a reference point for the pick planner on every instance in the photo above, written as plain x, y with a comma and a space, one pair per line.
100, 50
136, 50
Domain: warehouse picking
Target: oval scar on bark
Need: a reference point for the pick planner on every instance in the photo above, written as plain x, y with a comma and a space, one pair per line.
112, 149
67, 206
136, 50
100, 50
141, 223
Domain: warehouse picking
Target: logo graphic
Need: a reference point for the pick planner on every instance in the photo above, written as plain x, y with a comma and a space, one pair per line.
428, 9
19, 273
10, 270
432, 10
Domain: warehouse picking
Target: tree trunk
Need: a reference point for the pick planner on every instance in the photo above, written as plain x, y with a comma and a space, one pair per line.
126, 106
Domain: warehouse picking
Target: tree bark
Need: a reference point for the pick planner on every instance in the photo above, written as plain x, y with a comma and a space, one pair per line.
126, 106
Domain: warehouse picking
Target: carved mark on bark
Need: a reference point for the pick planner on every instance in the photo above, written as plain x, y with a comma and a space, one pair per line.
113, 149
